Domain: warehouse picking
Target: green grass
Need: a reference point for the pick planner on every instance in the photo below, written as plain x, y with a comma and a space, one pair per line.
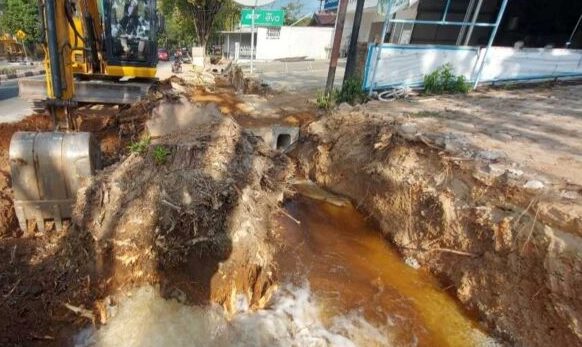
325, 102
351, 92
443, 81
139, 147
161, 154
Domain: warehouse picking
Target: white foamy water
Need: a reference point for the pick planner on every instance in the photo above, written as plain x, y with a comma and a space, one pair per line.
293, 319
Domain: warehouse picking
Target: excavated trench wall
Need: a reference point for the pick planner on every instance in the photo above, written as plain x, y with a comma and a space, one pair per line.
509, 256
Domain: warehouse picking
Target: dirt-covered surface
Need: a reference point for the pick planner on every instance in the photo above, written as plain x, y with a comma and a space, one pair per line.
512, 254
537, 127
194, 222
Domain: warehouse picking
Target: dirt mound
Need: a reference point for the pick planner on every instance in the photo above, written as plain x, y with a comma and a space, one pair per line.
510, 255
190, 213
205, 205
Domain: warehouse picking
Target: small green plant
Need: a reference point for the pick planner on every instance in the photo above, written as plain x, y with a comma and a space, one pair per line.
324, 101
351, 92
443, 80
160, 154
140, 146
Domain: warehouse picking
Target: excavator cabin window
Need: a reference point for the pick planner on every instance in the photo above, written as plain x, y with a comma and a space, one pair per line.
130, 27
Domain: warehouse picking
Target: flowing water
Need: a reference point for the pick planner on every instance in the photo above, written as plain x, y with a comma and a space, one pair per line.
342, 285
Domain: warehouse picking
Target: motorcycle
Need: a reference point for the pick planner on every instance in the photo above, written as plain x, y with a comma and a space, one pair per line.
177, 66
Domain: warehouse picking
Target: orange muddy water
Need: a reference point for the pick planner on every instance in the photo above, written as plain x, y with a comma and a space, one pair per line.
351, 269
341, 284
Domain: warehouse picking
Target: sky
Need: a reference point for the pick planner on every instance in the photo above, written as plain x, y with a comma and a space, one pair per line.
309, 6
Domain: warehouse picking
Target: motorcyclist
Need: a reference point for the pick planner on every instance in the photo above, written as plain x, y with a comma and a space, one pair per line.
177, 64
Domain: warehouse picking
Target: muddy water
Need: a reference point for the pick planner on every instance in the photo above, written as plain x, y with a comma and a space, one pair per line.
341, 285
351, 270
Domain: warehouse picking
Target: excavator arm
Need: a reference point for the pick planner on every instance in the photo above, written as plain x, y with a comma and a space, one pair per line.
60, 87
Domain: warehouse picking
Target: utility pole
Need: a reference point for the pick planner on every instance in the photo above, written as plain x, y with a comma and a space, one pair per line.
353, 50
337, 41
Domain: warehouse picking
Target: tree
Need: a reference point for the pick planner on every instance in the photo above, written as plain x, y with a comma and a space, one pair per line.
179, 31
202, 13
21, 15
292, 11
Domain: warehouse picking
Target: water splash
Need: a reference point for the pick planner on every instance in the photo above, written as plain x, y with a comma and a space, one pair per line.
293, 319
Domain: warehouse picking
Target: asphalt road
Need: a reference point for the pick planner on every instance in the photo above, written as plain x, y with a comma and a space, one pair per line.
8, 89
12, 108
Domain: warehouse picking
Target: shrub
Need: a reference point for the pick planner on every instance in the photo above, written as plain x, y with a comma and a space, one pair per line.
443, 80
351, 92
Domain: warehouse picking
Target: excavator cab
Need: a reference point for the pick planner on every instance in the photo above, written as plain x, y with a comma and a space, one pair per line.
109, 40
130, 35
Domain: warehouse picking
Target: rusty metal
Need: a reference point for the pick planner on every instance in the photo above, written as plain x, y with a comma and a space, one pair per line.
337, 41
47, 170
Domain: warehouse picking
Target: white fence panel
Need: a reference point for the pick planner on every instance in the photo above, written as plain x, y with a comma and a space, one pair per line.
406, 65
506, 63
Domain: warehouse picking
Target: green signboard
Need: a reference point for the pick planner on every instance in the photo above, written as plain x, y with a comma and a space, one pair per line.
263, 18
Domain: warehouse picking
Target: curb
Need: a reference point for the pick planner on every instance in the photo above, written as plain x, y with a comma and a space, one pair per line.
21, 74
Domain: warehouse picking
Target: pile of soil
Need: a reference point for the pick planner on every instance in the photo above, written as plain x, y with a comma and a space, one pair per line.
511, 256
154, 220
194, 220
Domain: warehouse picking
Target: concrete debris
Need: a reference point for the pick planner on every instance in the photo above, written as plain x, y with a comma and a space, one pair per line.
491, 155
412, 262
534, 185
570, 195
408, 129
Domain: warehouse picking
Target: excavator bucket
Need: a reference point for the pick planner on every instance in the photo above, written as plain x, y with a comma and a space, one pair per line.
98, 92
47, 170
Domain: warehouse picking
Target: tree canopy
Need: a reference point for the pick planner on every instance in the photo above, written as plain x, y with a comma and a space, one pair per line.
293, 11
203, 15
21, 15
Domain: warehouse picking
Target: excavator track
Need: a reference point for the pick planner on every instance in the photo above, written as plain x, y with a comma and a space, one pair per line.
94, 91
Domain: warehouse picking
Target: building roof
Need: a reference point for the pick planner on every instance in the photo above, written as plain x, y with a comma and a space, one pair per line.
324, 18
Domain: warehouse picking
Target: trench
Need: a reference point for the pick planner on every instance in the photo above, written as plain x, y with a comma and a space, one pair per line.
340, 284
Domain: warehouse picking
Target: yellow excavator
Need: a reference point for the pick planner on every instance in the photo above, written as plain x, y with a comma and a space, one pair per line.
96, 51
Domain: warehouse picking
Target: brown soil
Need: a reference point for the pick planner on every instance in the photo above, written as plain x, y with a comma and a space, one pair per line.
252, 111
206, 206
513, 256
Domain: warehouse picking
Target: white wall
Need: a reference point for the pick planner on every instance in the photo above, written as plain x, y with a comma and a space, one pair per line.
310, 42
369, 16
406, 65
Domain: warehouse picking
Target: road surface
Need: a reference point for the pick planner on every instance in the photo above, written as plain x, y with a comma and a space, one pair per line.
12, 108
